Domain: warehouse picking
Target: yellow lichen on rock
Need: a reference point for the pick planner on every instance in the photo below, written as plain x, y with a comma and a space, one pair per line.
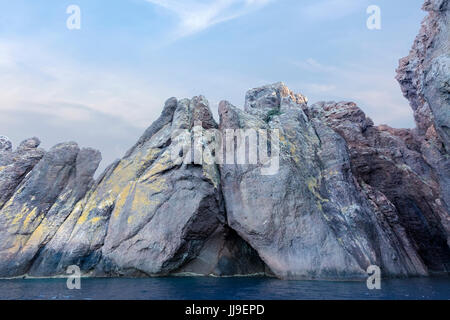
161, 165
20, 215
38, 235
122, 199
140, 199
95, 220
29, 218
313, 188
149, 156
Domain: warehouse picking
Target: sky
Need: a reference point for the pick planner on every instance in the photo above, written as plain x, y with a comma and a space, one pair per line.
103, 84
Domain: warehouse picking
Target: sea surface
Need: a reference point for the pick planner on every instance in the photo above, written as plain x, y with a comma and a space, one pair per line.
201, 288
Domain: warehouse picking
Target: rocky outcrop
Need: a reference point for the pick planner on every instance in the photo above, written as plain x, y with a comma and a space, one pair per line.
310, 220
327, 195
388, 164
424, 76
150, 214
15, 165
280, 188
42, 199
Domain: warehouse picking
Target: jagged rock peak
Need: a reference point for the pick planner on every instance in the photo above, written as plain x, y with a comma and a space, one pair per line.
16, 164
29, 144
266, 100
341, 114
5, 144
424, 75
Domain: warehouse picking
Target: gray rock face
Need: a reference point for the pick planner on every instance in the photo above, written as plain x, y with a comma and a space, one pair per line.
424, 77
151, 215
265, 102
310, 220
389, 161
41, 202
168, 212
15, 165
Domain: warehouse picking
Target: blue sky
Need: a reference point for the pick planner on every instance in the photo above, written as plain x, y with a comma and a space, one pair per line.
104, 84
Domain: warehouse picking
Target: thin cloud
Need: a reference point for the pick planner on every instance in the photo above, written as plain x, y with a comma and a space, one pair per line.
47, 84
313, 65
57, 99
196, 15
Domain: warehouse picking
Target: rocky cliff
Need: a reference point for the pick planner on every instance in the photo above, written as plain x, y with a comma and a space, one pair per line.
424, 76
279, 188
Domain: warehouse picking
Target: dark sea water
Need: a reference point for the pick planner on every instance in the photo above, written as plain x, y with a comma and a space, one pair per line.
222, 288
